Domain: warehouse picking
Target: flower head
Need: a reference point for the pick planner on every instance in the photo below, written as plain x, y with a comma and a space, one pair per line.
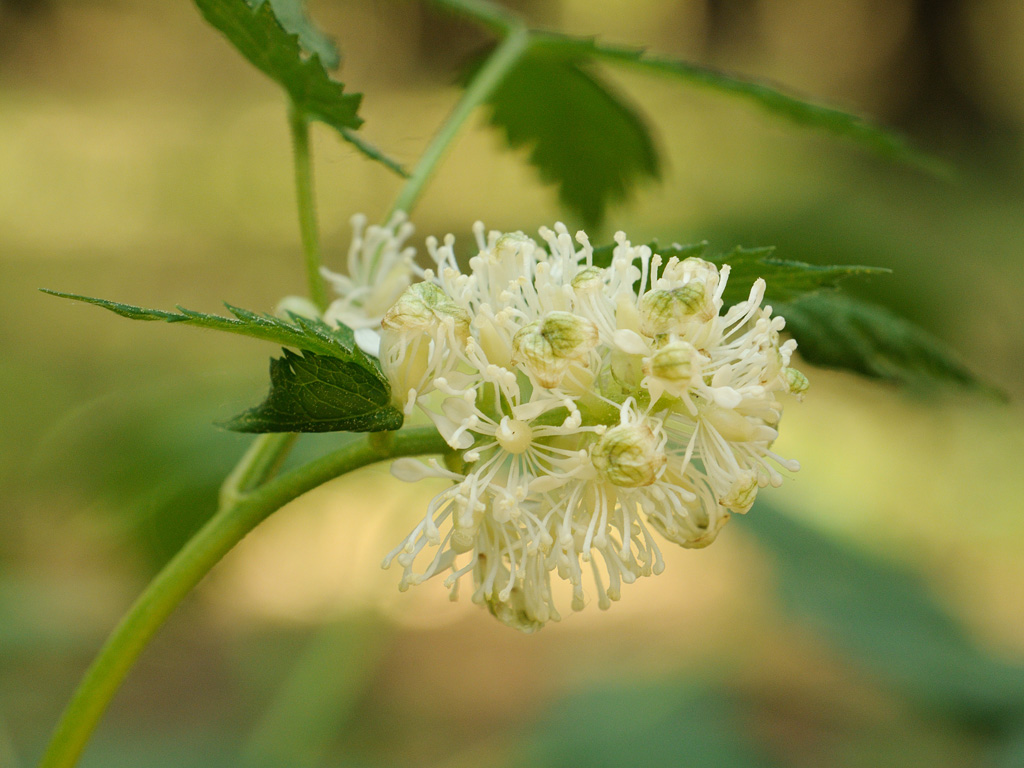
587, 407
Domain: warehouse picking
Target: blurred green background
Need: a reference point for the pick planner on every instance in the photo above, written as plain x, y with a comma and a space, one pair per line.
869, 613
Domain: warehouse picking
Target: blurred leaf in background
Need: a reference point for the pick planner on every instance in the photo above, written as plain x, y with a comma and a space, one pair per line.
318, 697
887, 618
154, 464
889, 623
668, 723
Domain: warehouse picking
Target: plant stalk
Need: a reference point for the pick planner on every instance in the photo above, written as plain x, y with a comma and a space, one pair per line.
225, 529
308, 229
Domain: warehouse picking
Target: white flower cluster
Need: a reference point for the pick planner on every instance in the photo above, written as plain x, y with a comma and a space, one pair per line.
586, 407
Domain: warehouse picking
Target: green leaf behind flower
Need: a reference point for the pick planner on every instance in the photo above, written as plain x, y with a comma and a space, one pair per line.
836, 331
300, 332
315, 393
768, 96
784, 280
582, 136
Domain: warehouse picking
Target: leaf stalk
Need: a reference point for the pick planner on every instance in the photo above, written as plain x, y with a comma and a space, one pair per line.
509, 51
260, 463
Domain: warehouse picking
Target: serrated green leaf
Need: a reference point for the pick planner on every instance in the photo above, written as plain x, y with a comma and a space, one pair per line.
582, 136
301, 332
765, 95
888, 620
314, 393
292, 16
784, 280
274, 35
260, 38
836, 331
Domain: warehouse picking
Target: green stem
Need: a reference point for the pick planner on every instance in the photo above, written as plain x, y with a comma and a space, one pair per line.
307, 206
259, 464
487, 79
191, 564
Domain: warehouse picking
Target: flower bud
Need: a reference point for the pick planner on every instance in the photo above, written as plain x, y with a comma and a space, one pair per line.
417, 331
629, 455
697, 523
741, 494
421, 308
708, 532
797, 382
521, 603
588, 280
672, 368
510, 244
548, 346
672, 310
693, 533
514, 611
692, 268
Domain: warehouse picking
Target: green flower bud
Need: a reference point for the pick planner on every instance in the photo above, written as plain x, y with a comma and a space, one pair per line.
424, 317
548, 346
421, 308
510, 244
707, 533
797, 382
588, 280
671, 310
698, 526
514, 612
672, 368
742, 493
677, 362
692, 268
629, 455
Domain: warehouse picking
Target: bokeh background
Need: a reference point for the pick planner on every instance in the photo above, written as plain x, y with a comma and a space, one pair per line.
870, 613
